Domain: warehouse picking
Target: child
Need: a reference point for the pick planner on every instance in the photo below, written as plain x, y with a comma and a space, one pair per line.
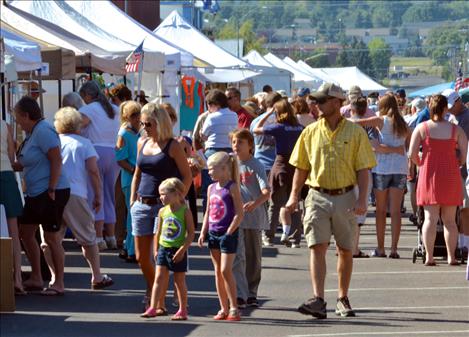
174, 236
255, 191
222, 218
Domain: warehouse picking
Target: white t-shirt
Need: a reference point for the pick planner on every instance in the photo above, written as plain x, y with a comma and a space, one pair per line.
217, 127
75, 151
5, 164
102, 131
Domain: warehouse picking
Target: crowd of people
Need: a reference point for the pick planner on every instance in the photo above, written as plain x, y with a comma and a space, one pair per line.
310, 164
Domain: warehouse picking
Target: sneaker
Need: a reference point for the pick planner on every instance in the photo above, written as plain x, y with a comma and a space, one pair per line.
266, 242
296, 245
241, 303
284, 239
102, 245
233, 315
111, 243
252, 302
315, 307
343, 308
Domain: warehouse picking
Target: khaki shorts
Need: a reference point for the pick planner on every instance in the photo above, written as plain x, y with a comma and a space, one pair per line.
80, 219
327, 215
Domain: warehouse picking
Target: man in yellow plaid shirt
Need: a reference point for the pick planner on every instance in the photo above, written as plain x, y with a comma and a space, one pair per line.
331, 157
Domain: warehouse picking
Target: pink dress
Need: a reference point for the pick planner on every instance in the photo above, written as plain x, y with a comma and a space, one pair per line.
439, 181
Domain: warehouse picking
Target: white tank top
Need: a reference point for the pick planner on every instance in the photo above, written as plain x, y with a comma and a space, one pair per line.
5, 164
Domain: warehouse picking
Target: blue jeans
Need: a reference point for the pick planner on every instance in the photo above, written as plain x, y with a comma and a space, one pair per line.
129, 239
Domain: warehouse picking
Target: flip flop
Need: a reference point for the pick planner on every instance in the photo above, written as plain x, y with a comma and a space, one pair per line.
361, 255
180, 315
375, 253
454, 263
51, 292
104, 283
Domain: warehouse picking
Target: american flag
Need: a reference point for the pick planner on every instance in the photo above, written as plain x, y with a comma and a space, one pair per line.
135, 60
461, 82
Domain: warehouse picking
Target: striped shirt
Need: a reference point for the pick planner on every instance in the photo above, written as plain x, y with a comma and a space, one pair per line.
333, 157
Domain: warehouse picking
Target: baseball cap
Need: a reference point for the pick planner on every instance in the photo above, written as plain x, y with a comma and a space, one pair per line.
418, 103
328, 90
451, 95
303, 92
401, 92
355, 91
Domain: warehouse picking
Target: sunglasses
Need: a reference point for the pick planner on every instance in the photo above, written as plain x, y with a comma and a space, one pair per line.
323, 100
145, 124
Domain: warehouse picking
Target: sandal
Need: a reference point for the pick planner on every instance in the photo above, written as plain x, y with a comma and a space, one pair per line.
161, 312
149, 313
361, 255
104, 283
376, 253
220, 316
180, 315
454, 263
394, 256
51, 292
430, 264
20, 292
234, 315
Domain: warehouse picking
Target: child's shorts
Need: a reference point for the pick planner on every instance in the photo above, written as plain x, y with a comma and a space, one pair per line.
165, 258
226, 243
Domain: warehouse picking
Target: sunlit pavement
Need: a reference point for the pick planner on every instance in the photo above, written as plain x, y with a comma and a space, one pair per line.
392, 297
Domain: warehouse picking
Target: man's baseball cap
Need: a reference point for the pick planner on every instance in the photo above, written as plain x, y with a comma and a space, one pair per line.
452, 96
303, 92
401, 92
327, 90
355, 91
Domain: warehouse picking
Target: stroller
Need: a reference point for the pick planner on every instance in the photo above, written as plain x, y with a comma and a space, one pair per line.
440, 244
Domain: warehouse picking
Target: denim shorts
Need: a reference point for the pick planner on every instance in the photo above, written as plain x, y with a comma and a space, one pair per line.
384, 181
144, 218
165, 258
226, 243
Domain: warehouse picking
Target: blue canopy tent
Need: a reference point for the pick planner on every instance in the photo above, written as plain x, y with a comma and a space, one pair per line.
434, 89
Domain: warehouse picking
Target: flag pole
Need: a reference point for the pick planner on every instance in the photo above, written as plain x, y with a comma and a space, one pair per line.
140, 71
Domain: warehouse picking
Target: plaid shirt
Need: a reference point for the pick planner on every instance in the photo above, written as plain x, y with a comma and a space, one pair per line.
333, 157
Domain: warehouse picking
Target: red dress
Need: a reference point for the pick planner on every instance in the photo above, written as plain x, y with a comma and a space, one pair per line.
439, 181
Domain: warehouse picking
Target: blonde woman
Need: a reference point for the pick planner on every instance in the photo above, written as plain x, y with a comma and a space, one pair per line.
79, 160
126, 156
159, 157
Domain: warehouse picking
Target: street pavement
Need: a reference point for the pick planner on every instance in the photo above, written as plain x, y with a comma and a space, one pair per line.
392, 297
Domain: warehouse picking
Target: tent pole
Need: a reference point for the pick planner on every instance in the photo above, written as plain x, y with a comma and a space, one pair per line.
74, 85
2, 80
41, 99
59, 84
125, 80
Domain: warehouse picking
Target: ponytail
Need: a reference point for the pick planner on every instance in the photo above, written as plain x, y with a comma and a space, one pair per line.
91, 88
234, 168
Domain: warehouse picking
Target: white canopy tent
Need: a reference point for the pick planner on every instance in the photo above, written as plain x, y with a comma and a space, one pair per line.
349, 76
278, 79
300, 79
26, 54
320, 73
318, 80
226, 67
90, 54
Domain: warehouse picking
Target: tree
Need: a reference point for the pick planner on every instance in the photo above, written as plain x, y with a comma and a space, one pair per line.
380, 55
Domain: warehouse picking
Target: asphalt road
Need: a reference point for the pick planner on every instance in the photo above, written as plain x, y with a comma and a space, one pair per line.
391, 298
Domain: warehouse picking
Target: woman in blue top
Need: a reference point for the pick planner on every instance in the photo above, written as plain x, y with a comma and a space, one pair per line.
47, 193
286, 131
126, 156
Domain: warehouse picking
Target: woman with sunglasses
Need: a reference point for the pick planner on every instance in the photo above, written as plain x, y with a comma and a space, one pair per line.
159, 157
101, 125
126, 156
47, 193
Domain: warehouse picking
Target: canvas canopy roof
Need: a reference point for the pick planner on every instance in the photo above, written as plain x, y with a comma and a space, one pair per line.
349, 76
320, 73
278, 79
131, 31
26, 53
89, 55
61, 62
317, 80
174, 28
434, 89
298, 76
